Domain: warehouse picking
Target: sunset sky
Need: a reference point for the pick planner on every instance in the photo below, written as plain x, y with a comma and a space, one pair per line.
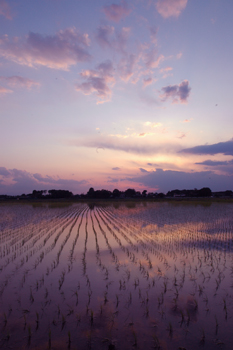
116, 94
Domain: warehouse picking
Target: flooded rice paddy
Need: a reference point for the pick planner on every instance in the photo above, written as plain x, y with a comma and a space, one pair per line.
116, 276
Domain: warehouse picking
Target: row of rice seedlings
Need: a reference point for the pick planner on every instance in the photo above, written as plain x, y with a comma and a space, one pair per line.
42, 254
145, 297
17, 251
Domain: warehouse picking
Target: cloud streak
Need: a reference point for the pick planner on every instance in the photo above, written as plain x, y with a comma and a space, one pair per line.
17, 81
135, 145
221, 147
60, 51
3, 90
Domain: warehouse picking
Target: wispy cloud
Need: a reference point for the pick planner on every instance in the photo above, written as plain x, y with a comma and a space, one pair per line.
147, 81
178, 93
128, 67
152, 59
170, 8
60, 51
17, 81
115, 12
209, 162
98, 81
5, 9
131, 144
153, 34
116, 168
108, 37
166, 72
3, 90
221, 147
104, 35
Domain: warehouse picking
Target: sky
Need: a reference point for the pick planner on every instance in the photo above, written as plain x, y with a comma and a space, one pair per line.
115, 94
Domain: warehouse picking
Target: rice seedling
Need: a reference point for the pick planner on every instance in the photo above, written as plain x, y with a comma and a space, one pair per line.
82, 256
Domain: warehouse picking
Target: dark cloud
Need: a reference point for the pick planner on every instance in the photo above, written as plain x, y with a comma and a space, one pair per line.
4, 171
25, 182
221, 147
165, 180
178, 93
143, 170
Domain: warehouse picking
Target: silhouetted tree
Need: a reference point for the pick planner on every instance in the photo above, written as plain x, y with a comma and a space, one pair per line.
91, 192
204, 192
60, 194
116, 193
130, 192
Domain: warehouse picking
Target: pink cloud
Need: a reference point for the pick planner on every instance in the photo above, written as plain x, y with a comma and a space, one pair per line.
4, 90
5, 9
147, 81
152, 60
60, 51
170, 8
116, 12
97, 81
166, 72
16, 80
178, 93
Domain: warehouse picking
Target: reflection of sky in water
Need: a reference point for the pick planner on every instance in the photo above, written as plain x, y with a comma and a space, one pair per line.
146, 275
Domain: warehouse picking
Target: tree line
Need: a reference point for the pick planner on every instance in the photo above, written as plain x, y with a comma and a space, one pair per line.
129, 193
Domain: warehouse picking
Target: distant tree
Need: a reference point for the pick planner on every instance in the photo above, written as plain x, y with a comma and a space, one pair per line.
37, 194
144, 193
116, 193
161, 195
102, 194
204, 192
91, 192
130, 192
228, 193
60, 194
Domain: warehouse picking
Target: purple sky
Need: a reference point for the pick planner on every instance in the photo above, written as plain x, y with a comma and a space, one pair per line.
115, 94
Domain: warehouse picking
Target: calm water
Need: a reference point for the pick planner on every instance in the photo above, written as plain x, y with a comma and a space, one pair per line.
117, 276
